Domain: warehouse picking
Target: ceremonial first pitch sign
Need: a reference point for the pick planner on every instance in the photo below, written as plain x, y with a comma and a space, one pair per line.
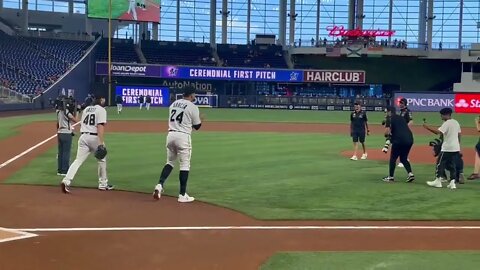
131, 94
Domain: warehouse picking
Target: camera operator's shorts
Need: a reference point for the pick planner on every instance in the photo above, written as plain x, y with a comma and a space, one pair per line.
358, 136
477, 147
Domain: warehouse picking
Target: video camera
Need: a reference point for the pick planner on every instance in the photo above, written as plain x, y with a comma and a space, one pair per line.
66, 104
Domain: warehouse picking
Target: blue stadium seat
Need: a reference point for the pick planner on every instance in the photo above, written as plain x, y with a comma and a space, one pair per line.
178, 53
258, 56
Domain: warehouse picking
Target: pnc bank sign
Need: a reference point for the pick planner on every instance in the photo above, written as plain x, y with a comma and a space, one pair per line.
421, 102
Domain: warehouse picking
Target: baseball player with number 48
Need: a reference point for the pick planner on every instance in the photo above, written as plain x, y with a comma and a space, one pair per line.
94, 118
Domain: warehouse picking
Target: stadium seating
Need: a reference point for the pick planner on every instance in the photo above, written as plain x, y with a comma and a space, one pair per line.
259, 56
29, 63
178, 53
123, 50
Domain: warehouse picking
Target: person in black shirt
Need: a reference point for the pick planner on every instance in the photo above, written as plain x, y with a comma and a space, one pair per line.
406, 114
358, 130
141, 101
401, 138
119, 101
148, 101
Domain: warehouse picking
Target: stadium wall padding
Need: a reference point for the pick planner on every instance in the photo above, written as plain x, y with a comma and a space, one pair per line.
410, 73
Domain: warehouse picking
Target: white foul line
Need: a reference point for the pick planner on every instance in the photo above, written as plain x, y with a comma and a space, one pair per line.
23, 235
213, 228
29, 150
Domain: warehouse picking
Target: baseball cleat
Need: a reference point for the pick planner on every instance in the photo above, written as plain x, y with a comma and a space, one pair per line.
364, 156
65, 188
62, 174
354, 158
158, 192
388, 179
452, 185
106, 187
437, 183
385, 150
410, 178
185, 198
461, 179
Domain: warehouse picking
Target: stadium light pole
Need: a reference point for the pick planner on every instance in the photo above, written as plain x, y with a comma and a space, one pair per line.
109, 52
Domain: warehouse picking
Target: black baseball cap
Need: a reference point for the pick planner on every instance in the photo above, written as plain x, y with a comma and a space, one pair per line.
391, 109
446, 111
188, 91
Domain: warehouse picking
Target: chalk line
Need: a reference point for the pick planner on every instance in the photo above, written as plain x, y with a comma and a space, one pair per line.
22, 235
213, 228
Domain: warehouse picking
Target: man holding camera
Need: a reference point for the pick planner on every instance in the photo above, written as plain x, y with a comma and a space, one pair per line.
450, 132
66, 115
401, 138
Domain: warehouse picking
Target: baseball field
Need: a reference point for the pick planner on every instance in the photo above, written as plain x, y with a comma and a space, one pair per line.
275, 190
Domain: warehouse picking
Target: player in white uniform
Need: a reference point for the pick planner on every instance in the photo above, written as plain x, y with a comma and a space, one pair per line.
132, 9
184, 115
92, 130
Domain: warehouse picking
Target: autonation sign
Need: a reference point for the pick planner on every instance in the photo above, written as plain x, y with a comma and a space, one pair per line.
426, 102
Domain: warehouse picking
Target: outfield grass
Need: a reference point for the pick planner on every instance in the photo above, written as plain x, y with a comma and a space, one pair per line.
253, 115
465, 260
273, 176
8, 125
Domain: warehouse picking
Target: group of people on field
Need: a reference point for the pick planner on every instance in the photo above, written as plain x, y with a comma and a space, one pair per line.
399, 137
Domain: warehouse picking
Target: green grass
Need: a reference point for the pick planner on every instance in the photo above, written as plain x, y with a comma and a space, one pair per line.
252, 115
465, 260
8, 125
273, 176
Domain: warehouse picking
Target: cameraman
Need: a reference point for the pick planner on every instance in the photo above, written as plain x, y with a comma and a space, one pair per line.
66, 115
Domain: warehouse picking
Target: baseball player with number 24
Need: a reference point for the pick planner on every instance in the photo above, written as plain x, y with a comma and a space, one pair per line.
184, 116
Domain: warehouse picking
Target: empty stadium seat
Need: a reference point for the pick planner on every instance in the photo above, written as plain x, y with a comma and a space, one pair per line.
259, 56
123, 50
178, 53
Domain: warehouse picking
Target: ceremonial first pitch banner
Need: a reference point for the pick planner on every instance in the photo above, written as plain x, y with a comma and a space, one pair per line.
131, 94
232, 74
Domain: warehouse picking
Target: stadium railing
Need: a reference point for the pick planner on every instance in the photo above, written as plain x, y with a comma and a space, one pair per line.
14, 96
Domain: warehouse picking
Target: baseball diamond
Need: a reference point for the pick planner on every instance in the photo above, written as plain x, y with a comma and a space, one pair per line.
235, 135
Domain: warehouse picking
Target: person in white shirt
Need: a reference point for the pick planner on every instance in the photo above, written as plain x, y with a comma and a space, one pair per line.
132, 9
93, 121
450, 131
184, 116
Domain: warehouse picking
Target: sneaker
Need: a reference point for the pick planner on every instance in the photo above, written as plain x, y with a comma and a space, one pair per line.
400, 165
452, 185
364, 156
62, 174
354, 158
65, 188
185, 198
410, 178
385, 150
461, 179
444, 180
436, 183
158, 192
106, 187
388, 179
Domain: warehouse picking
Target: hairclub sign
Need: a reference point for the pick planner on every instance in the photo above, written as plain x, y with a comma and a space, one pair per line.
340, 31
335, 76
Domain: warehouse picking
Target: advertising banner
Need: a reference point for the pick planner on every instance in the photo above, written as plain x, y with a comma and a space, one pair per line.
131, 94
467, 103
334, 76
200, 73
232, 74
129, 70
203, 100
422, 102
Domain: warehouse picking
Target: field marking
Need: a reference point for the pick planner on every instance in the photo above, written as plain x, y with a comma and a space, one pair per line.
30, 149
223, 228
22, 235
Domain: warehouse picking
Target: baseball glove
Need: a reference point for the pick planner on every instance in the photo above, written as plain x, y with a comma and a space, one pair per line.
101, 152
